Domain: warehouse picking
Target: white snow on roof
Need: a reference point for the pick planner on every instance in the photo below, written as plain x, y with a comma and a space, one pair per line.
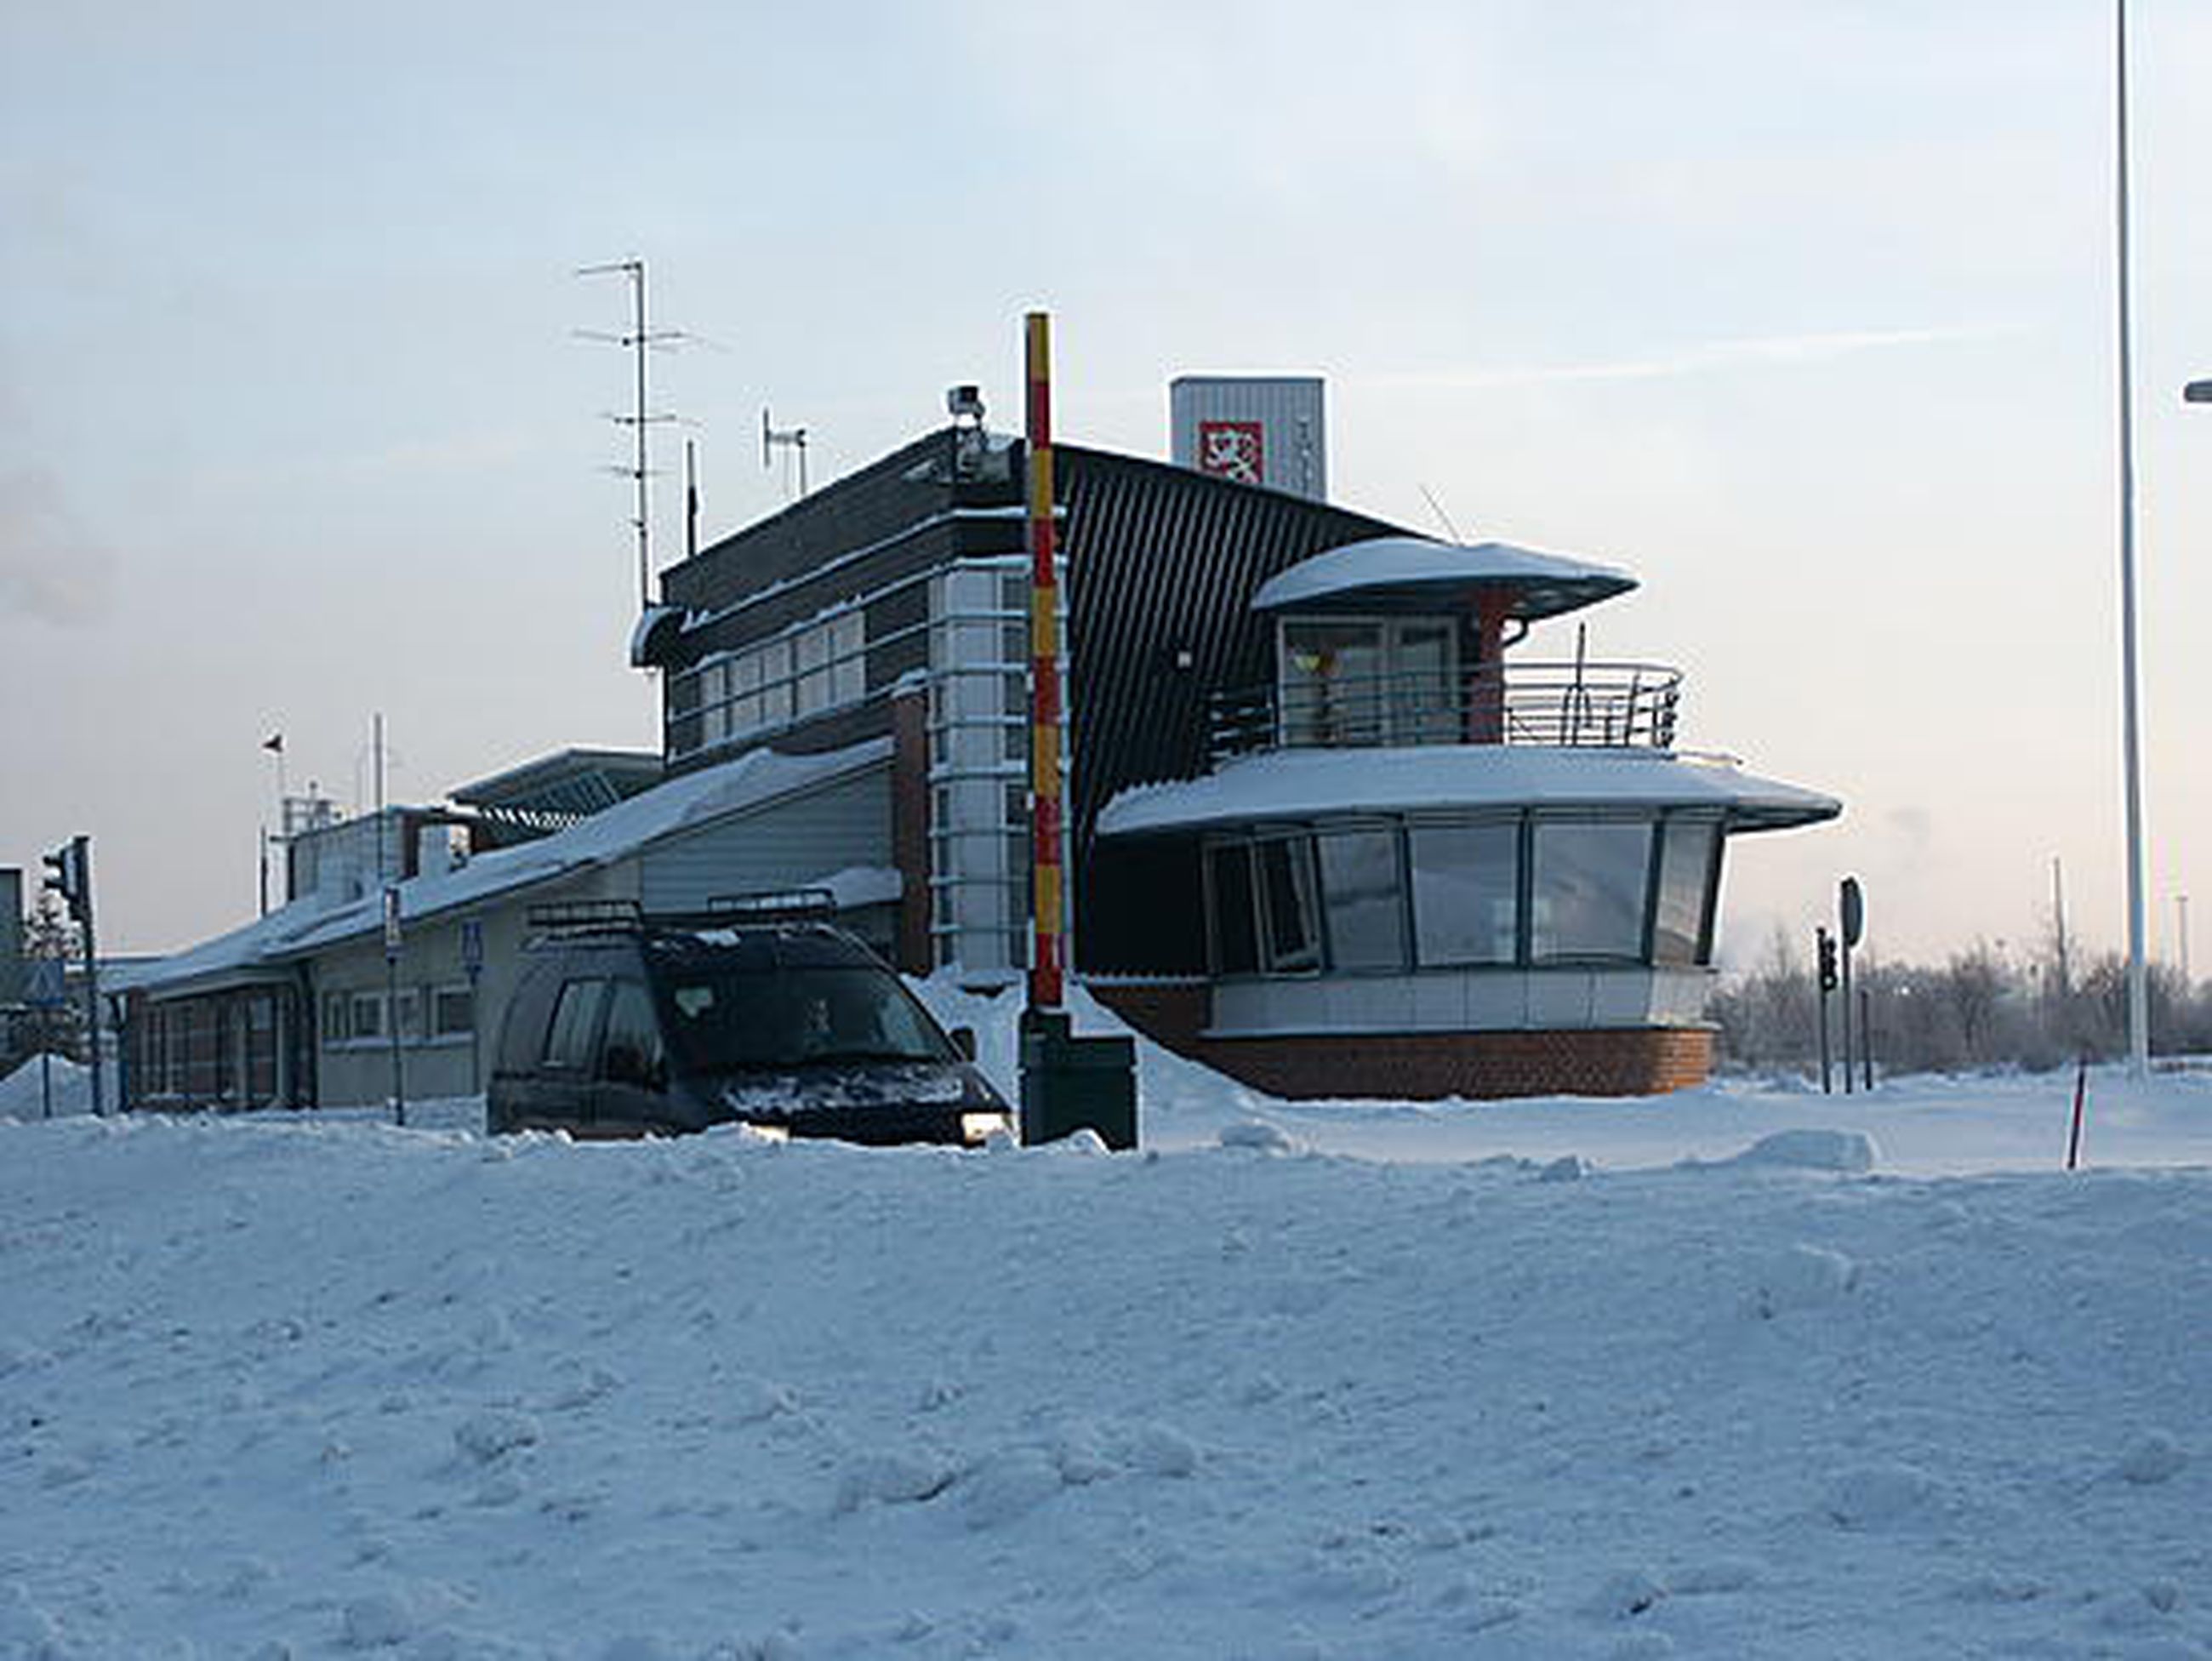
682, 804
1302, 784
1549, 582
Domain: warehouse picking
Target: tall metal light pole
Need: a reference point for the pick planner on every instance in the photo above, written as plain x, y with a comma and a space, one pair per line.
2131, 744
2197, 392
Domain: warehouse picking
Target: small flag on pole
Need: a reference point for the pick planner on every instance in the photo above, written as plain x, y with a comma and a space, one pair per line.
274, 744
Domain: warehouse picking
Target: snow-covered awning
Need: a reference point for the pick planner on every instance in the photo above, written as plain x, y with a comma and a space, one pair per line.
1302, 785
1395, 572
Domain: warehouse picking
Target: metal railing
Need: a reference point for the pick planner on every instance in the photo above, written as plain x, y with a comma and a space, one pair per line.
1610, 705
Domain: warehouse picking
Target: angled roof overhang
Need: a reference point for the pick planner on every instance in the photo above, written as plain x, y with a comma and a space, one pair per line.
1403, 573
1307, 785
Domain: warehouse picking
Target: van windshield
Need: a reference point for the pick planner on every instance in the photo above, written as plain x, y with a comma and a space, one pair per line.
722, 1021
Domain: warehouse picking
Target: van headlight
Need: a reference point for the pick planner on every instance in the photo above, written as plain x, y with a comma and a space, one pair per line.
977, 1128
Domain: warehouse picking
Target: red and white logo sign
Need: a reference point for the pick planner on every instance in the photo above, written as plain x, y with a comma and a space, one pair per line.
1232, 449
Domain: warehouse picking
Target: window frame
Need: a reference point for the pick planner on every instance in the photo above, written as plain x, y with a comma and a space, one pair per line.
1394, 722
1640, 953
1515, 826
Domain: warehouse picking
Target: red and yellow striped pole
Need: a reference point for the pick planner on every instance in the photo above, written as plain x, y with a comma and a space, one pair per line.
1046, 961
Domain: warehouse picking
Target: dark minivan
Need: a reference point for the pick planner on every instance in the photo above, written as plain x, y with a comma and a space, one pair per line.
642, 1028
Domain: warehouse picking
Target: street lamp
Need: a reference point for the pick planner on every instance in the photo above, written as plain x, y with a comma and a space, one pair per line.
2131, 677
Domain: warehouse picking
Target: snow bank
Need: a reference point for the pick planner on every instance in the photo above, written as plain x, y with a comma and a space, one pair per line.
53, 1085
307, 1385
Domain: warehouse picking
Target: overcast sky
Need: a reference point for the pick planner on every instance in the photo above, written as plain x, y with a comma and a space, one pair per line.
1802, 311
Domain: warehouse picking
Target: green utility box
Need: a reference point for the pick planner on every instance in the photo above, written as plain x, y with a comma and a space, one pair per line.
1069, 1083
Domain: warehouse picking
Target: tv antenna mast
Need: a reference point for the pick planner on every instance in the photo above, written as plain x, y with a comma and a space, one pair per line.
639, 340
785, 438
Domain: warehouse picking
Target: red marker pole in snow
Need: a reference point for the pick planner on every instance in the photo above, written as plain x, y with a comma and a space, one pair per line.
1045, 990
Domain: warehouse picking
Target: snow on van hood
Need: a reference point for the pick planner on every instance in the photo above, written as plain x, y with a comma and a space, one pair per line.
872, 1084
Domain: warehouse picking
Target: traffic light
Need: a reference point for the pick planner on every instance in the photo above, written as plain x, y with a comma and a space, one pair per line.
69, 873
1827, 944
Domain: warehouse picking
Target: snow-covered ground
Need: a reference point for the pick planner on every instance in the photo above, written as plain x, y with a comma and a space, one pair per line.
1557, 1379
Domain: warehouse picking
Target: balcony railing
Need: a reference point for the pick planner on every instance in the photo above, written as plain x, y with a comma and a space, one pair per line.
1606, 704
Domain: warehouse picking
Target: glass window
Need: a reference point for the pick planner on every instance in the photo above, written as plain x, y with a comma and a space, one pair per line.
1467, 891
1332, 681
367, 1015
744, 693
1236, 937
1589, 890
727, 1021
848, 669
714, 708
453, 1011
336, 1010
774, 660
568, 1040
630, 1052
1359, 889
812, 660
1421, 702
1686, 868
409, 1015
1289, 935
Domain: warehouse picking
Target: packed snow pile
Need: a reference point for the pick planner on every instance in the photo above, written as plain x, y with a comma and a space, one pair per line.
47, 1087
305, 1385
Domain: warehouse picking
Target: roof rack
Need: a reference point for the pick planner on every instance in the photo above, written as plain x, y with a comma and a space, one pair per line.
570, 915
774, 905
766, 908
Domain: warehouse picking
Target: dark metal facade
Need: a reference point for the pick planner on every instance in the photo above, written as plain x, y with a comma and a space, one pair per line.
1162, 563
899, 517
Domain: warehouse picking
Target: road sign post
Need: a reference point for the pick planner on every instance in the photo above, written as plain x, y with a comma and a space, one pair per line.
1824, 952
1850, 915
69, 873
472, 954
392, 944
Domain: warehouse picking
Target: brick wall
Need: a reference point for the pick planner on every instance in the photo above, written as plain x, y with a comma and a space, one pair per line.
1420, 1066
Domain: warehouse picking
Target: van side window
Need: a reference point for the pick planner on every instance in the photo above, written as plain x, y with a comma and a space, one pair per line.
575, 1019
630, 1052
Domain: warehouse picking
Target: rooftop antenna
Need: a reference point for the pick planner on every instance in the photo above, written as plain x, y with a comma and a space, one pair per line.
773, 438
638, 339
690, 500
1437, 508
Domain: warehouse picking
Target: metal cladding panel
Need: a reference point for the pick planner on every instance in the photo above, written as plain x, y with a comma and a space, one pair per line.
1252, 430
904, 488
798, 840
1162, 565
898, 518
